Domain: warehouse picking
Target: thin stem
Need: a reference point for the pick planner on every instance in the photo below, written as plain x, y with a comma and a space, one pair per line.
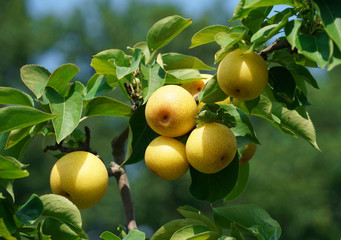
276, 45
117, 171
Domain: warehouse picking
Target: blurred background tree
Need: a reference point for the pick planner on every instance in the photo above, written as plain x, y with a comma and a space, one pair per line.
299, 186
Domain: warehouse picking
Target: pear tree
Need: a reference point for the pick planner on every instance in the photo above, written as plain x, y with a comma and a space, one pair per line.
305, 34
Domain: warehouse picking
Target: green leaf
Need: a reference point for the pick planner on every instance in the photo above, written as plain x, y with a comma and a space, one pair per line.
335, 60
267, 32
68, 111
4, 231
243, 129
243, 179
249, 218
315, 47
140, 135
12, 96
283, 85
192, 213
20, 117
11, 168
166, 231
109, 236
244, 7
330, 14
18, 150
256, 17
35, 78
135, 234
31, 210
60, 77
16, 136
207, 34
96, 85
106, 106
153, 78
188, 232
59, 230
287, 121
165, 30
63, 210
211, 92
123, 71
144, 47
299, 71
213, 187
180, 61
103, 64
181, 76
213, 113
292, 31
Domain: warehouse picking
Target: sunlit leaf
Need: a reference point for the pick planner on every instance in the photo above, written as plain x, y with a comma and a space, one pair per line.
61, 76
35, 78
106, 106
11, 168
243, 179
109, 236
180, 61
292, 31
20, 117
68, 111
12, 96
207, 34
165, 30
153, 78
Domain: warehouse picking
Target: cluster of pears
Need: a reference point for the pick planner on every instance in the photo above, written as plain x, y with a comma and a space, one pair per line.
210, 147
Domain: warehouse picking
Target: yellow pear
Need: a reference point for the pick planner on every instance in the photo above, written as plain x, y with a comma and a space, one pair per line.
81, 177
211, 147
194, 87
166, 158
170, 111
242, 75
249, 151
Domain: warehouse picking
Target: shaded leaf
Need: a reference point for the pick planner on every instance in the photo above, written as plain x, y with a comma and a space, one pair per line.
59, 230
211, 92
16, 136
315, 47
140, 135
20, 117
335, 60
256, 17
12, 96
122, 71
4, 231
11, 168
106, 106
188, 232
213, 187
248, 218
192, 213
31, 210
292, 31
35, 78
165, 30
243, 179
68, 111
330, 14
135, 234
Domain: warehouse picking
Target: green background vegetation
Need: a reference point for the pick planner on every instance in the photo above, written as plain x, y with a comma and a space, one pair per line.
296, 184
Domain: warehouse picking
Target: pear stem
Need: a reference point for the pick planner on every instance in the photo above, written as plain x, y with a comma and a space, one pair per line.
117, 171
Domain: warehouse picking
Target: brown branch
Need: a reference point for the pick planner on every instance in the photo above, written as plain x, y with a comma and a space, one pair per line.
115, 170
276, 45
82, 146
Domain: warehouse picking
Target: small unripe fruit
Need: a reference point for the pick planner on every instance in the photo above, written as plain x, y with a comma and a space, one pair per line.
211, 147
242, 75
166, 158
170, 111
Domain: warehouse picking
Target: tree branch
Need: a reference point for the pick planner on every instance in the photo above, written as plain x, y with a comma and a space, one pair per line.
115, 170
276, 45
82, 146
